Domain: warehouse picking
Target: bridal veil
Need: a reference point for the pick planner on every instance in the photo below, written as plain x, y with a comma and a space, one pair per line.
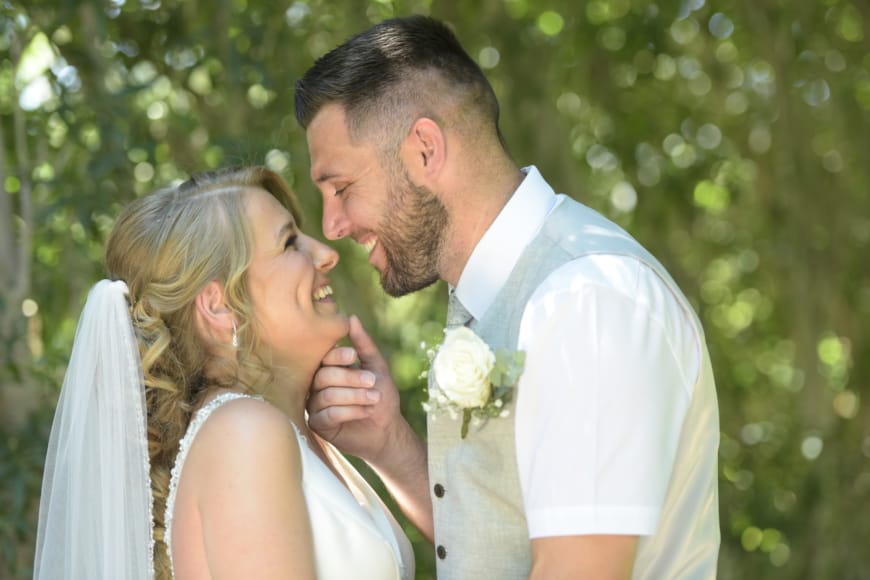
95, 510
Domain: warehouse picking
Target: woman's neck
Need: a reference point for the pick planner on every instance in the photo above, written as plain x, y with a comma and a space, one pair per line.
290, 395
285, 390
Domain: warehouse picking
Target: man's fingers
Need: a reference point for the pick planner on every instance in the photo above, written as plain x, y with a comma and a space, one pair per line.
327, 377
336, 397
340, 356
328, 421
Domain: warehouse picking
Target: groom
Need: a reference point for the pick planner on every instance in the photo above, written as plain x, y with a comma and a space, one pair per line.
603, 463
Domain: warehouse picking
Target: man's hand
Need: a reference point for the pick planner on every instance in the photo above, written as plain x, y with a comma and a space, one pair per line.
354, 403
356, 408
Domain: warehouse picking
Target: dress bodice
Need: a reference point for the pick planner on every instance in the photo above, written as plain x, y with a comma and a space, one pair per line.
355, 535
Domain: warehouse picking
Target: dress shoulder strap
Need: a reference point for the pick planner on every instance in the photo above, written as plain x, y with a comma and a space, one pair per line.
183, 447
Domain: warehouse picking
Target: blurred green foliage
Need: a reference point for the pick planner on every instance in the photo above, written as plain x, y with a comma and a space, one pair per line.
730, 137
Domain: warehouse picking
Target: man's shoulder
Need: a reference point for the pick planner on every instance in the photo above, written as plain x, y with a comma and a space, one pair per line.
578, 228
606, 272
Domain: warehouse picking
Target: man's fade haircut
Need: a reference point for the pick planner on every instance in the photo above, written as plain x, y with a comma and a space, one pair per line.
395, 72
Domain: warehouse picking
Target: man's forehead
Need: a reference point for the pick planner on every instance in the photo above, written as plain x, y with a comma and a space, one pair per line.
330, 117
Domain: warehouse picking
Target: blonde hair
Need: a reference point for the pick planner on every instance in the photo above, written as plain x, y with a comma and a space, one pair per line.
167, 246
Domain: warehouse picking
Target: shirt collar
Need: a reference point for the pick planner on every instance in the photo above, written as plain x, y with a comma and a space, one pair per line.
498, 250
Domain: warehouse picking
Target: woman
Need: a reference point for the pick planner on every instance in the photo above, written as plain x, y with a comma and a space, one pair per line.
231, 314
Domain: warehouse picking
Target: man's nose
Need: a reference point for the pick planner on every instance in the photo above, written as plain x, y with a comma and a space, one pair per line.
335, 225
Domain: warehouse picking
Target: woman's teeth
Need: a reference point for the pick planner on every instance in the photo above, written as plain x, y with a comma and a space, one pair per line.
323, 292
370, 245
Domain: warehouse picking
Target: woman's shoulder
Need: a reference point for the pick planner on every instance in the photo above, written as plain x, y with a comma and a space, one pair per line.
244, 431
247, 492
239, 411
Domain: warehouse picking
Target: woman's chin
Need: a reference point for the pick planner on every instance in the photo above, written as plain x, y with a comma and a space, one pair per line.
344, 324
326, 307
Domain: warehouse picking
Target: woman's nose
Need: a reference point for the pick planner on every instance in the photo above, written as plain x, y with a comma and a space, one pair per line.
324, 257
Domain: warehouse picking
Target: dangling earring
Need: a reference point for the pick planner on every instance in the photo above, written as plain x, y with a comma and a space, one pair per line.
235, 335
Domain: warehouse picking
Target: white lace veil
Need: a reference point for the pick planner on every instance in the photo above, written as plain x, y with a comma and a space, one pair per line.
95, 512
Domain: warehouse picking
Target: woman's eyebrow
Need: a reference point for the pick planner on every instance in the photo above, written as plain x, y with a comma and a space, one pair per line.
286, 229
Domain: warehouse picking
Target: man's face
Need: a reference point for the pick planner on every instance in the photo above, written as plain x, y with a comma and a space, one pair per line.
400, 224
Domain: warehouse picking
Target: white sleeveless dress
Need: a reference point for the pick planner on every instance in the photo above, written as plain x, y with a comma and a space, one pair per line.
355, 535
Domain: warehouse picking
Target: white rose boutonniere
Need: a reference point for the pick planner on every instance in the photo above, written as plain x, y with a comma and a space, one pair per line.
471, 378
462, 368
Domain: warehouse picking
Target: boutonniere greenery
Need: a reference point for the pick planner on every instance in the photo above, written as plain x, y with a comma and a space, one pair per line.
470, 379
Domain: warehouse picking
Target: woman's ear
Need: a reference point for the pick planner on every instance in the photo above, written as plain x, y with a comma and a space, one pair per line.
213, 318
425, 151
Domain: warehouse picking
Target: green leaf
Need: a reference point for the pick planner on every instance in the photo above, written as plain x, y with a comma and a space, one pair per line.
466, 419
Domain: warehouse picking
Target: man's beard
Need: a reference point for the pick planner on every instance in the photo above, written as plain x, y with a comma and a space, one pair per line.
412, 237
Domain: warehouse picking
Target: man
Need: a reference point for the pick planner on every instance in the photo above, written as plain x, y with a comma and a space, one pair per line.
604, 464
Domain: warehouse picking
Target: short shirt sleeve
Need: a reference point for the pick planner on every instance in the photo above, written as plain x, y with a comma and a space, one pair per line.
612, 355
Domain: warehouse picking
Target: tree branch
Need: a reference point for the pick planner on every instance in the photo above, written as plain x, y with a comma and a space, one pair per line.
21, 284
7, 251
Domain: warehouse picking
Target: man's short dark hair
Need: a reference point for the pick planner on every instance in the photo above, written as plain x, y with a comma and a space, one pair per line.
395, 72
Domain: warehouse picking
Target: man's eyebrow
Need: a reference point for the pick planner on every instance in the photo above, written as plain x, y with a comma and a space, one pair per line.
325, 177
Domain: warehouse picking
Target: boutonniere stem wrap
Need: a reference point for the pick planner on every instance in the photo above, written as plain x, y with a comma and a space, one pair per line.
471, 379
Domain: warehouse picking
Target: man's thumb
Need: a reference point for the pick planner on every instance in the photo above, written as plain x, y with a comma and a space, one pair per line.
365, 347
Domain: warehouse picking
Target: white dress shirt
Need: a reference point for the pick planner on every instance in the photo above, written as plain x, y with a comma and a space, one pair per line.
612, 355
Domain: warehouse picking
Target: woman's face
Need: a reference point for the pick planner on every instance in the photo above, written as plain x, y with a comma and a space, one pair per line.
297, 318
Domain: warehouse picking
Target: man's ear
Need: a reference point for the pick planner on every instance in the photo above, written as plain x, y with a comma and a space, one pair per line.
425, 151
213, 318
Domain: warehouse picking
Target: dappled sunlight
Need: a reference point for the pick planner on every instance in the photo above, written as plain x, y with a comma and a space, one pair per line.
730, 139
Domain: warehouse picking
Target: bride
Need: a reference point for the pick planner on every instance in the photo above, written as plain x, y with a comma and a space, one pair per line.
180, 446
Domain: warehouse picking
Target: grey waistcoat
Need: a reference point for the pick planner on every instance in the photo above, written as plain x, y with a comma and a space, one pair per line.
480, 527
